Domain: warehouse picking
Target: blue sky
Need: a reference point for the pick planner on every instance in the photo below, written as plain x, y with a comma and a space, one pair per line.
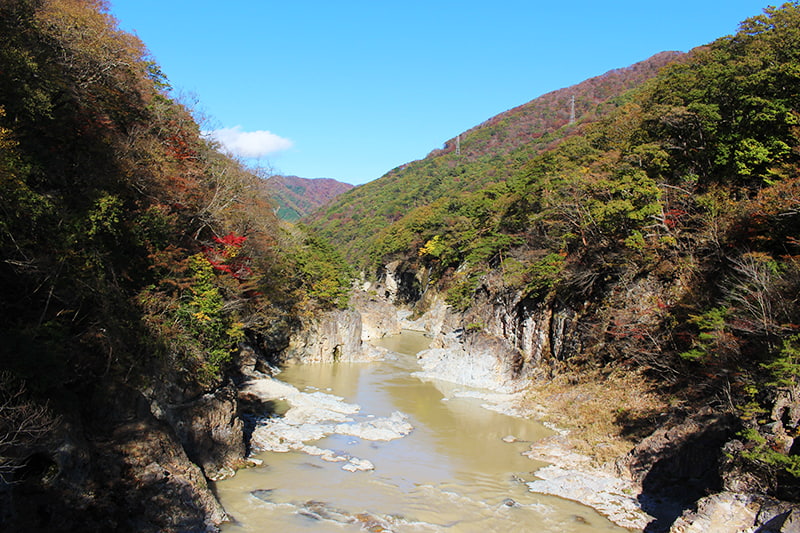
351, 89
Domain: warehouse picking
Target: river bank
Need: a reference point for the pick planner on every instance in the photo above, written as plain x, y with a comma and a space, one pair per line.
616, 446
584, 452
575, 467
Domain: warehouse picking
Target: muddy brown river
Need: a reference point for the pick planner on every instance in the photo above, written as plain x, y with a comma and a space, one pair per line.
454, 472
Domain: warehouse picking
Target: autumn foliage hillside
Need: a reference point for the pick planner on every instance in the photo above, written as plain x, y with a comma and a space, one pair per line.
133, 252
670, 225
486, 154
298, 197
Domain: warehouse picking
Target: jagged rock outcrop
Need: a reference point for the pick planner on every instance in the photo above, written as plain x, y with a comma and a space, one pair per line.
539, 333
378, 317
403, 284
328, 337
679, 463
729, 512
498, 343
341, 334
172, 442
115, 468
163, 489
211, 431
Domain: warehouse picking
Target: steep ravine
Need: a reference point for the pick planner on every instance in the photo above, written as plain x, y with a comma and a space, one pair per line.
159, 446
166, 443
679, 474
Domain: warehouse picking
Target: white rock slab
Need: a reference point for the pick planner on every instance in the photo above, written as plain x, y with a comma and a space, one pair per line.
315, 415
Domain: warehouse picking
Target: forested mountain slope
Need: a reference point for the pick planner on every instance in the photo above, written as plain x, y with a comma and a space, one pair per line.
488, 153
135, 261
298, 197
661, 240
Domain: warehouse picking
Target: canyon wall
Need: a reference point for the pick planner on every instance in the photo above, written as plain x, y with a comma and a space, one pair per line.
503, 340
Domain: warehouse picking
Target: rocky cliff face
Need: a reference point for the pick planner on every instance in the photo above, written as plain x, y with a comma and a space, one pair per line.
328, 337
210, 430
679, 463
502, 340
340, 335
126, 464
378, 316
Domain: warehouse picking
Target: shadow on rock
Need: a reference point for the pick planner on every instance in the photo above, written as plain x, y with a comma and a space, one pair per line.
679, 464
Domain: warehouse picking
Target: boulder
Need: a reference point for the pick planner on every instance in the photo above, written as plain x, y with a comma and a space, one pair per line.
729, 512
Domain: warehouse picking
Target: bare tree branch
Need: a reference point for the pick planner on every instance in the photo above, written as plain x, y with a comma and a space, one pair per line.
23, 423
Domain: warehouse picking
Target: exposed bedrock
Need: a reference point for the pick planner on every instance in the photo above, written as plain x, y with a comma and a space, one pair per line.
330, 336
113, 466
679, 463
686, 477
379, 317
730, 512
498, 343
211, 431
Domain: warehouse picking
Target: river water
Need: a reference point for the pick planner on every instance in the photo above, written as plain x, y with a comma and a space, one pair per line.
454, 472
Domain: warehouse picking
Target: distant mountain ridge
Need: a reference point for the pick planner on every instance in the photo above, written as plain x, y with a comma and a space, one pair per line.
527, 123
298, 197
488, 153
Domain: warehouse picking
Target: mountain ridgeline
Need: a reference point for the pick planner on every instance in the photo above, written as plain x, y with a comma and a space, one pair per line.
658, 236
489, 153
298, 197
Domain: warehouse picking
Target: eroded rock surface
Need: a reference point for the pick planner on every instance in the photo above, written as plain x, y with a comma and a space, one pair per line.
476, 361
118, 468
211, 431
728, 512
379, 318
315, 415
331, 336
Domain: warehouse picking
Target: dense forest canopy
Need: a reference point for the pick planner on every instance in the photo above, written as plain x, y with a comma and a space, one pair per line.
131, 247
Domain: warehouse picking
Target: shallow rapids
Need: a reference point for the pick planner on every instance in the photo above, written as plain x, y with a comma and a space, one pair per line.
453, 466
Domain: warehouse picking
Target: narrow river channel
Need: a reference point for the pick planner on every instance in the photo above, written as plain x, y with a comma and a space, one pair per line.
453, 472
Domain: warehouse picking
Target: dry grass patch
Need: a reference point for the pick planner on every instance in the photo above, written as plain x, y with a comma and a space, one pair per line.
605, 414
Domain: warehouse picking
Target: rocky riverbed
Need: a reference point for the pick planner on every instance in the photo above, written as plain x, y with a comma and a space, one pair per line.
570, 474
311, 416
632, 491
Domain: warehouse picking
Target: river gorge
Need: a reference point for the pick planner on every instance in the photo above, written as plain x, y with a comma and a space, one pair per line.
581, 314
377, 446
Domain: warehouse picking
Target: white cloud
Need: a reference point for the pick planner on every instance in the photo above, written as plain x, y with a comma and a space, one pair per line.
249, 143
